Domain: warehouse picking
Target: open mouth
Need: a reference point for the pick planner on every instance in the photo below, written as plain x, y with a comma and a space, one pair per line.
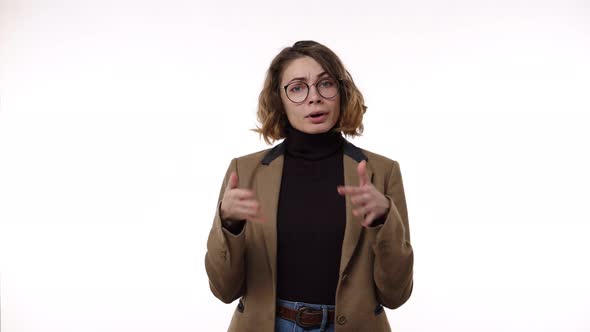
316, 115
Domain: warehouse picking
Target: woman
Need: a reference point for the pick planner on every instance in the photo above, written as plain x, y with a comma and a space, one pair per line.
311, 234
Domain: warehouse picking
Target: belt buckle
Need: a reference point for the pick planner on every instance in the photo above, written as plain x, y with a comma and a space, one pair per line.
298, 321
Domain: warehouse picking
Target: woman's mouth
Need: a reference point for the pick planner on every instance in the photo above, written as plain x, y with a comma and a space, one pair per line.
318, 117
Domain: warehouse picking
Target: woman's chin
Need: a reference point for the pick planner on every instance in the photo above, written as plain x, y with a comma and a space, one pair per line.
318, 128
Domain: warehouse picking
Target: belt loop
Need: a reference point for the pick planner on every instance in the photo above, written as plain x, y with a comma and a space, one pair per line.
324, 318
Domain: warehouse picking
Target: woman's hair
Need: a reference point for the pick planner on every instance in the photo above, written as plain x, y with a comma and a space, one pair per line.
271, 114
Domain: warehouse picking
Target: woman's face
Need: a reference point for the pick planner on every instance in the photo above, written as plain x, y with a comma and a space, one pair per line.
315, 114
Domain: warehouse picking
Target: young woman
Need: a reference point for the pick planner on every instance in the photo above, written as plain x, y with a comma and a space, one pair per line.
313, 233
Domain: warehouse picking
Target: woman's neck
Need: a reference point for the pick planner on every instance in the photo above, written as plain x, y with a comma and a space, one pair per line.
312, 146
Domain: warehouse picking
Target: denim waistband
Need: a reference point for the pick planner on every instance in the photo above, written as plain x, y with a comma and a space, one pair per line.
297, 305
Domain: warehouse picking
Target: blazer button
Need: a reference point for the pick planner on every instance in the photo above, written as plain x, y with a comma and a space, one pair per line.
341, 320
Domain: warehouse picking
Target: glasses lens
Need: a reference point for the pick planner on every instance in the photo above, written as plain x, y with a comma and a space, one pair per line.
297, 92
327, 88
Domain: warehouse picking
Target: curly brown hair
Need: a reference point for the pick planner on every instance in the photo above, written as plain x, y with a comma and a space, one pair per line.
271, 114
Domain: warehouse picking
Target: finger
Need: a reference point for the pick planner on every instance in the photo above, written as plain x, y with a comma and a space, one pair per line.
361, 211
360, 199
242, 193
249, 203
351, 190
260, 216
369, 218
364, 209
257, 216
356, 212
233, 180
244, 212
251, 211
362, 173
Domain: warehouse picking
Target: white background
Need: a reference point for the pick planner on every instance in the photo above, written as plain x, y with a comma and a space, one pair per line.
119, 118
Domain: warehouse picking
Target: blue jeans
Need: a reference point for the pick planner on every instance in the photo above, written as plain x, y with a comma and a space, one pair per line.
284, 325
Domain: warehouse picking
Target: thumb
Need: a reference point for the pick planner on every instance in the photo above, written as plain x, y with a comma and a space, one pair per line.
232, 183
362, 173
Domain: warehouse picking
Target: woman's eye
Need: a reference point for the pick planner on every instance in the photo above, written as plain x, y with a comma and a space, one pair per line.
327, 83
296, 88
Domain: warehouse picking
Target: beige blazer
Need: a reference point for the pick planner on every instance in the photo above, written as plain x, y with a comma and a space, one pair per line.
376, 266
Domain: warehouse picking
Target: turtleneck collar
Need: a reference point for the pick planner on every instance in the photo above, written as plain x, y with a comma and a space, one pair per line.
312, 146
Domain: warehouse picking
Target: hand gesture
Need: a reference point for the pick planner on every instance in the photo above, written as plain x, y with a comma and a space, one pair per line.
368, 201
239, 204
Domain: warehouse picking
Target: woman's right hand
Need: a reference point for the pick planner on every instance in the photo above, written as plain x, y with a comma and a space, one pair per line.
239, 204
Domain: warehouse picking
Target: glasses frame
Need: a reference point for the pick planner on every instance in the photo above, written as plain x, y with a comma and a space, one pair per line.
337, 81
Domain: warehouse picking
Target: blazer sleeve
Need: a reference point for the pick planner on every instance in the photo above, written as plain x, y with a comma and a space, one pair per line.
225, 257
394, 256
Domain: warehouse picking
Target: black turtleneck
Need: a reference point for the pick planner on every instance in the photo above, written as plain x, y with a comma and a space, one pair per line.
311, 217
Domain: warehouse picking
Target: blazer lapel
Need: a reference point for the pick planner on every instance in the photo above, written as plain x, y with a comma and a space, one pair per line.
353, 228
268, 189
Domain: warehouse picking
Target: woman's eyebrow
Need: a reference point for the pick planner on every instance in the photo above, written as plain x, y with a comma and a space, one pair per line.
305, 79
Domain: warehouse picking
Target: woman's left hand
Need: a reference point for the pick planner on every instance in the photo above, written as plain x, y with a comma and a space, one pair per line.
368, 201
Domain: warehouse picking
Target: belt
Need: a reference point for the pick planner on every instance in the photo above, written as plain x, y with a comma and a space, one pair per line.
305, 317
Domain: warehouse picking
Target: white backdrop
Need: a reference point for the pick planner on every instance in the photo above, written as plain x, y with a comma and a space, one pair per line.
119, 118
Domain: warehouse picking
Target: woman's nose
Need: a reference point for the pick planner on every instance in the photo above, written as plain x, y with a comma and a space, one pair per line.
314, 96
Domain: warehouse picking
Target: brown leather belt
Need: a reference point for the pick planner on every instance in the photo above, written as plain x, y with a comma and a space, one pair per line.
305, 317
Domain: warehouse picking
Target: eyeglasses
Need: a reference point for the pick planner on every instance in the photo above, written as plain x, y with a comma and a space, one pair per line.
298, 92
